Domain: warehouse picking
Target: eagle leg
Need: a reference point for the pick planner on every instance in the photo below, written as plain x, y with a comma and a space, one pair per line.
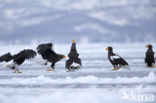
17, 71
52, 67
68, 70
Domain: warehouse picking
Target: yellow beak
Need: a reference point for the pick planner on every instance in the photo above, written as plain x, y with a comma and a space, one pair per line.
64, 56
106, 48
146, 46
73, 41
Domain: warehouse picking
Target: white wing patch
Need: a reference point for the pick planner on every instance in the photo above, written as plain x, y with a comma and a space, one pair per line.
75, 64
115, 57
10, 64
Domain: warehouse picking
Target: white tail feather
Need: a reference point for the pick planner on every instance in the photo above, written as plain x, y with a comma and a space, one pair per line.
125, 67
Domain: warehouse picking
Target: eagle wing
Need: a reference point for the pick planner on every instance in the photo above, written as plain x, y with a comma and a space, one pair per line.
43, 48
118, 60
25, 54
6, 57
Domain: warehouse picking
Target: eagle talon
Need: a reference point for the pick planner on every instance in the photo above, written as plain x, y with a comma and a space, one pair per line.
53, 69
18, 71
153, 66
14, 71
68, 70
49, 69
115, 69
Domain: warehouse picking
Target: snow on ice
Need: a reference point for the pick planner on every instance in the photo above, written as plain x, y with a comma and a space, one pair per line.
94, 83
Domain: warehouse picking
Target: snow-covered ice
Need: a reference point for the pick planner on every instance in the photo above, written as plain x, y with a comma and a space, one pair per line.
94, 83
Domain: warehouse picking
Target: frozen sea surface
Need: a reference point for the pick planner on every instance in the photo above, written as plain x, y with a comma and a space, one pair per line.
94, 83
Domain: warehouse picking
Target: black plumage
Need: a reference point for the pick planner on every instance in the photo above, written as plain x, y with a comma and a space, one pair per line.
23, 55
149, 59
18, 58
74, 62
6, 57
47, 53
117, 61
44, 49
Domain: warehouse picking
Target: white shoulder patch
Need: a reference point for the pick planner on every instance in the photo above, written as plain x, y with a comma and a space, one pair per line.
75, 64
115, 57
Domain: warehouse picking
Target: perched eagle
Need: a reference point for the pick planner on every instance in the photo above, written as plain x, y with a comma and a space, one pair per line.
48, 54
74, 62
17, 59
117, 61
149, 59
